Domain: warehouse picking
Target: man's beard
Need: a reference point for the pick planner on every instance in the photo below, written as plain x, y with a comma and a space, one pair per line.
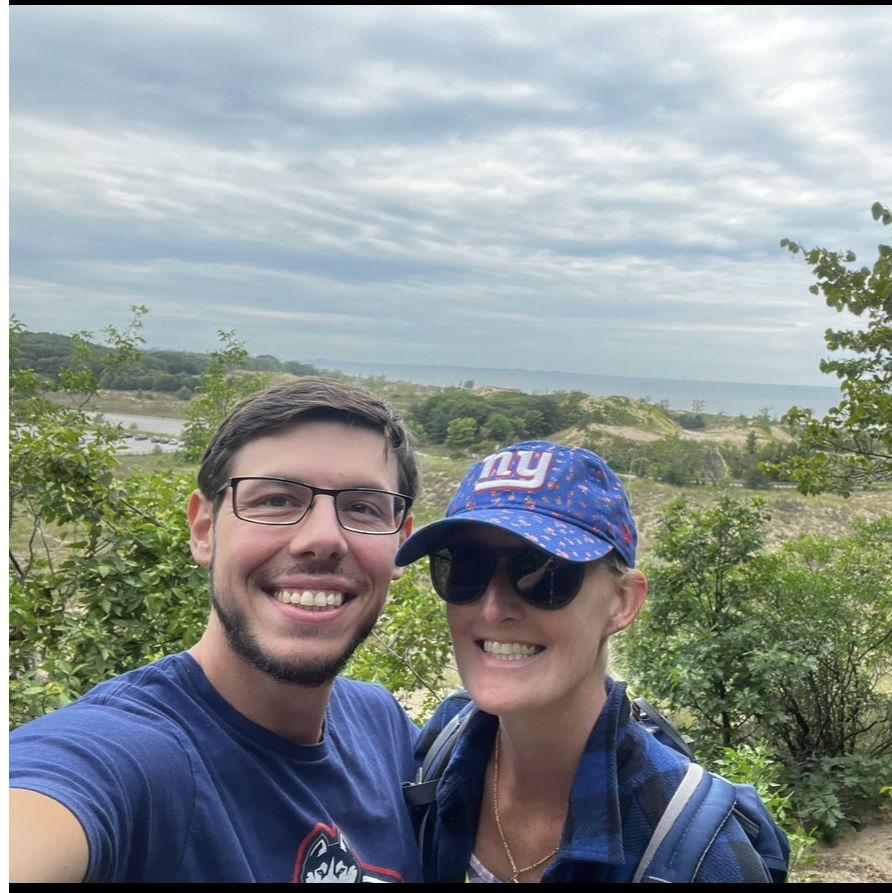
296, 672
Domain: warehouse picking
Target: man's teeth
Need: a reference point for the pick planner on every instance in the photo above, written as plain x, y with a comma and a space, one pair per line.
510, 650
318, 600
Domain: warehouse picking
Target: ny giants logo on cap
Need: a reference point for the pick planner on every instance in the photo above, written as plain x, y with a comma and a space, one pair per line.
520, 470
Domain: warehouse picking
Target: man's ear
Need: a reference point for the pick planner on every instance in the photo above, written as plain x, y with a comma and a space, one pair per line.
631, 593
405, 533
201, 528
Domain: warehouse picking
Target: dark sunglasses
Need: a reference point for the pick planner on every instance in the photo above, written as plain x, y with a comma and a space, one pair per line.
461, 573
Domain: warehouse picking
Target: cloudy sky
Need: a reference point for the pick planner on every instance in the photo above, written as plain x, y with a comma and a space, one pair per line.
594, 189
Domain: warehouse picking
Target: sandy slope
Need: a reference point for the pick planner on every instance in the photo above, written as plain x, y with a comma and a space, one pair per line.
862, 857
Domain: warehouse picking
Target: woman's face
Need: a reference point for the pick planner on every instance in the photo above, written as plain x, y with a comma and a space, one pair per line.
515, 657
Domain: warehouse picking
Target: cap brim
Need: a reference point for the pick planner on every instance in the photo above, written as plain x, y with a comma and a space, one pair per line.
549, 534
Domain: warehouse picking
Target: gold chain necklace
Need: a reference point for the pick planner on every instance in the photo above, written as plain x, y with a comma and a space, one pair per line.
515, 871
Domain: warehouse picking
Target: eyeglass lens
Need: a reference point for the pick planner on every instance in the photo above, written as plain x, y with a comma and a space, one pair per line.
286, 502
460, 575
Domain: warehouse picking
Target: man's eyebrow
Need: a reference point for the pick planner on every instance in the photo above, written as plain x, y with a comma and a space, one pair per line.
350, 486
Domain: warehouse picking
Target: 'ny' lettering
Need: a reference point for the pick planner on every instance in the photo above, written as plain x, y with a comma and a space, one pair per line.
523, 470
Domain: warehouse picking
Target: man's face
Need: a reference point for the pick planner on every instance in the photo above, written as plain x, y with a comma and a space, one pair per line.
256, 570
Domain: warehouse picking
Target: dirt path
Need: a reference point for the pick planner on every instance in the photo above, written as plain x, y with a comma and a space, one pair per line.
861, 857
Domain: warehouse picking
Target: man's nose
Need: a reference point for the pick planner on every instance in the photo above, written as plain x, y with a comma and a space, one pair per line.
319, 534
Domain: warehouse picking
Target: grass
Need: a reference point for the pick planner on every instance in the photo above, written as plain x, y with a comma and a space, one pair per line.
130, 403
150, 463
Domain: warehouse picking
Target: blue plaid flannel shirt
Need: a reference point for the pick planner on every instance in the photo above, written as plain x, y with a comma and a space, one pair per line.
624, 781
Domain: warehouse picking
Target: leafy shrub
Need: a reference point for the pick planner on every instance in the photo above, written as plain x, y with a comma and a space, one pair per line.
842, 791
756, 766
690, 421
409, 651
833, 650
790, 650
529, 416
690, 646
125, 595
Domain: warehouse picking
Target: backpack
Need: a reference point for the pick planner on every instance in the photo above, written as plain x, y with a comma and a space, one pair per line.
691, 821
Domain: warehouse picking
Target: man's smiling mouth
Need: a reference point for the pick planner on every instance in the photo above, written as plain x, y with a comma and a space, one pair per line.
311, 599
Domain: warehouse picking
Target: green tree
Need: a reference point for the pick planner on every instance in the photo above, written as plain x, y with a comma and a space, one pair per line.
828, 713
835, 643
791, 651
222, 386
852, 445
462, 432
61, 458
499, 428
691, 644
409, 651
126, 594
102, 579
434, 414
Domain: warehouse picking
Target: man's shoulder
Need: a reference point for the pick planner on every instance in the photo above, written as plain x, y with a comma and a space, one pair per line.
159, 676
138, 706
120, 761
368, 703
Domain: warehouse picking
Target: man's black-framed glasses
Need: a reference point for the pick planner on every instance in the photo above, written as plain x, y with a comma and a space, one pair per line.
280, 502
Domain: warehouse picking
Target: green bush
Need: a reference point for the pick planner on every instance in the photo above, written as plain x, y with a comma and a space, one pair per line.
756, 766
409, 651
843, 791
125, 595
691, 645
791, 651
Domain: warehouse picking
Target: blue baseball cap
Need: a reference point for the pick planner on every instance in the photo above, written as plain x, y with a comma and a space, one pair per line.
566, 501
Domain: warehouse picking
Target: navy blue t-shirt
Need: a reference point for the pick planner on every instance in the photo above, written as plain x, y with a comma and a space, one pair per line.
171, 784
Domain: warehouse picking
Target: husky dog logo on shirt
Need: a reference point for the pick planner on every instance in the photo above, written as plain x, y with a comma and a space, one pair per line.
326, 857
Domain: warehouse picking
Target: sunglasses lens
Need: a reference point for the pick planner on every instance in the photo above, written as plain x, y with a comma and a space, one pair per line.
545, 581
460, 575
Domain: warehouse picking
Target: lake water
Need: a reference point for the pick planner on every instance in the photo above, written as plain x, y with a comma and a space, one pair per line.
733, 398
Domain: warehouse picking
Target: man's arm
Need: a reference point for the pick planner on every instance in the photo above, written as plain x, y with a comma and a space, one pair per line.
46, 841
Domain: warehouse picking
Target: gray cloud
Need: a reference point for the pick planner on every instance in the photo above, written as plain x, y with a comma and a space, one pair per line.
580, 188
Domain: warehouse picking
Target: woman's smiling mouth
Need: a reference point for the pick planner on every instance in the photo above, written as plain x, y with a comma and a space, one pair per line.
509, 650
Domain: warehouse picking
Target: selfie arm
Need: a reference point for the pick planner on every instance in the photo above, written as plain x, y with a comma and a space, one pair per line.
46, 841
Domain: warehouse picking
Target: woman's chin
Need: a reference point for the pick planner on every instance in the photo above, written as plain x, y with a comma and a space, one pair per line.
500, 698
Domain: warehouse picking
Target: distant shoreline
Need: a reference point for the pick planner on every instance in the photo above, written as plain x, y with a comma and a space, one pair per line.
731, 398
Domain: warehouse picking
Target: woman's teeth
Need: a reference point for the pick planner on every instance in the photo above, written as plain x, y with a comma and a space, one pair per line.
316, 600
510, 650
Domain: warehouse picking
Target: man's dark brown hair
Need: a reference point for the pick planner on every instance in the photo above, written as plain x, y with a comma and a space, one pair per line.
305, 400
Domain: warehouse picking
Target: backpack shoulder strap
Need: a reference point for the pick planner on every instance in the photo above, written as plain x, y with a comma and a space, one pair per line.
687, 829
644, 713
422, 793
423, 790
697, 812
